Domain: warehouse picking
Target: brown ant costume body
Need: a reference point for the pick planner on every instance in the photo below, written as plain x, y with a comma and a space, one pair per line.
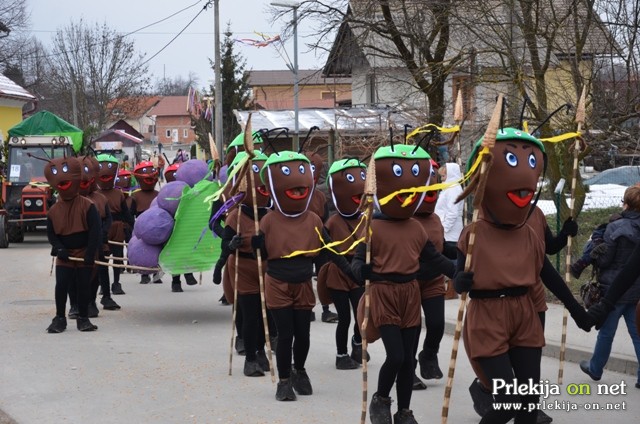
147, 177
73, 229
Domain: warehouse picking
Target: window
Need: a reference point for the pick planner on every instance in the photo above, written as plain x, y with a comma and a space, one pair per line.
372, 98
152, 129
185, 133
328, 95
168, 133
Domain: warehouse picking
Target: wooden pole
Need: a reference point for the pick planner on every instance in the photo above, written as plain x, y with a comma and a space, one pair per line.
580, 118
242, 187
487, 143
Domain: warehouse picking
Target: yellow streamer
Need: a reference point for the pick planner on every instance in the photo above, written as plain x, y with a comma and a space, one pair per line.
561, 137
215, 196
432, 127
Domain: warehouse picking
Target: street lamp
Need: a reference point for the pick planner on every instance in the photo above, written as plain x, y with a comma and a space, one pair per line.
294, 7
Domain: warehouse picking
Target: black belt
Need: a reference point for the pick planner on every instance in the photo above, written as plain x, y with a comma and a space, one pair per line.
492, 294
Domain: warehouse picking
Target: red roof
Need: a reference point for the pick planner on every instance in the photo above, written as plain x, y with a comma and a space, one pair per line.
132, 107
171, 106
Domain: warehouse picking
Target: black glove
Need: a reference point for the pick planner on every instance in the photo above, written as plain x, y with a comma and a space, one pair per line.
598, 251
582, 319
570, 227
365, 271
63, 254
217, 273
89, 260
257, 242
463, 281
54, 251
235, 242
600, 311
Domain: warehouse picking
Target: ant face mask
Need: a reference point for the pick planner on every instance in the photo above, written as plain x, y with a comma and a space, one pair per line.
123, 180
401, 167
146, 175
289, 179
108, 169
346, 185
64, 175
88, 176
428, 204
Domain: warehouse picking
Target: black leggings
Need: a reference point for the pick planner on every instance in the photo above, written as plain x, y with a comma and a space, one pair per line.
346, 302
78, 277
117, 251
399, 365
252, 327
292, 323
433, 309
522, 363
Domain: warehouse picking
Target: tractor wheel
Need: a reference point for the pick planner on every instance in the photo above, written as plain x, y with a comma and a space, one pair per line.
4, 233
16, 234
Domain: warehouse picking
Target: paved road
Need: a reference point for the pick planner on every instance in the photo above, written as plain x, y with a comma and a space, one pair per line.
164, 359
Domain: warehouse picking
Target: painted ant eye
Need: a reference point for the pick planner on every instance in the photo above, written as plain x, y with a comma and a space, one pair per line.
144, 170
110, 165
54, 171
397, 170
255, 168
512, 159
415, 169
313, 168
65, 168
100, 165
363, 175
301, 168
350, 178
285, 170
86, 169
532, 160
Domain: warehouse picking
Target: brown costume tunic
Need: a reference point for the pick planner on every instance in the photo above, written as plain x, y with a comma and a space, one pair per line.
248, 277
502, 259
69, 218
143, 199
538, 295
116, 199
433, 226
284, 235
318, 204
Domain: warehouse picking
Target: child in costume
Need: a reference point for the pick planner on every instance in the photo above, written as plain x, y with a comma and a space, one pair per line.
73, 229
147, 176
399, 248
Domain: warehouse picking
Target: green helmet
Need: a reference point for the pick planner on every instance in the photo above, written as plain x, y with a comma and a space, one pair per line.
241, 155
239, 140
505, 134
341, 164
105, 157
405, 151
283, 156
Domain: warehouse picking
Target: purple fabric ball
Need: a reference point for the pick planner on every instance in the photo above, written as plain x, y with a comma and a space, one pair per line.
169, 196
192, 171
154, 202
222, 174
154, 226
143, 254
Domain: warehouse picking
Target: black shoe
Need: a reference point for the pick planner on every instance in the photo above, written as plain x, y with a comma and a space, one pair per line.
116, 288
109, 304
328, 316
482, 399
345, 362
356, 352
312, 316
380, 410
429, 368
253, 369
84, 324
284, 391
176, 287
239, 345
58, 325
73, 312
637, 385
190, 279
543, 418
418, 384
92, 310
261, 358
156, 279
144, 279
301, 383
585, 366
223, 301
404, 416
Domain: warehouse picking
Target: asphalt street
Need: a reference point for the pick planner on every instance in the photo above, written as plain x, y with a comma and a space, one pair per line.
164, 358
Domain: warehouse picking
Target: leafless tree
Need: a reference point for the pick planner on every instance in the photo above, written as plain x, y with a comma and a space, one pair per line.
177, 86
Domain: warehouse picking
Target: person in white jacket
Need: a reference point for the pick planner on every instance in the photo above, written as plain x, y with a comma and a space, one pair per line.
448, 210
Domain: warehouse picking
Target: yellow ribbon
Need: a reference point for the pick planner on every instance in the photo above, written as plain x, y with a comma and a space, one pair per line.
432, 127
561, 137
215, 196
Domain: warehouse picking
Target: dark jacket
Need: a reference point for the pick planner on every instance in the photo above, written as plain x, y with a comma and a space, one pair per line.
621, 237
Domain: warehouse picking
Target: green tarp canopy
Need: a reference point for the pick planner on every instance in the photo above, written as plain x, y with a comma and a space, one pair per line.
46, 123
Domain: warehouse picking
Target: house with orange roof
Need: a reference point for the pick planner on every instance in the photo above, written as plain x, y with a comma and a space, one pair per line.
172, 121
135, 112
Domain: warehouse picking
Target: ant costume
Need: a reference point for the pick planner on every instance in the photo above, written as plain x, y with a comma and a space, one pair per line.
508, 260
120, 215
248, 283
147, 177
73, 229
346, 186
289, 294
100, 277
400, 249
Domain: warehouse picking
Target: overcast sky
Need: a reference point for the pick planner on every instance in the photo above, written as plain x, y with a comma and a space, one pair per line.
191, 51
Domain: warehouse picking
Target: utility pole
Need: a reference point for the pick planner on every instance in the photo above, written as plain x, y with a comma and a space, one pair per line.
218, 81
74, 104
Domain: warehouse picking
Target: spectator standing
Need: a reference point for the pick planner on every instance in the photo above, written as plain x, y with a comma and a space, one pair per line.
160, 167
620, 239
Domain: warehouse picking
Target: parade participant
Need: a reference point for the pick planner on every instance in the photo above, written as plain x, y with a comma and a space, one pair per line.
290, 228
508, 260
122, 220
320, 207
346, 186
73, 229
248, 283
147, 176
399, 247
100, 276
